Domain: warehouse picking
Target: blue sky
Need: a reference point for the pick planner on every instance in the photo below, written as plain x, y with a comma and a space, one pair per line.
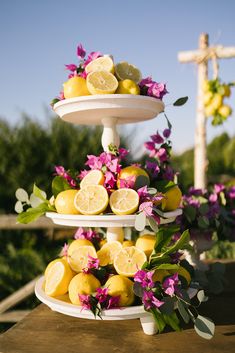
38, 37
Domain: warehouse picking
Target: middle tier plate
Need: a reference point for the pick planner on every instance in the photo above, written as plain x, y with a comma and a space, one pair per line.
104, 220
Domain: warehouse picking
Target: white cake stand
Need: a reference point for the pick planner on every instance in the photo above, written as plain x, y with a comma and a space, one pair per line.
125, 313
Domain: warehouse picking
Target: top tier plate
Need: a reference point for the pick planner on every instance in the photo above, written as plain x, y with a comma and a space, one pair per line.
91, 110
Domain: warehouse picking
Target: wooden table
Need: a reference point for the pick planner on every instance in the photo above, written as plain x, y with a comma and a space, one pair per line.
45, 331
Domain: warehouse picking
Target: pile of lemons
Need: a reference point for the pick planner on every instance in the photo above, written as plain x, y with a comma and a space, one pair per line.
214, 94
66, 280
103, 77
93, 198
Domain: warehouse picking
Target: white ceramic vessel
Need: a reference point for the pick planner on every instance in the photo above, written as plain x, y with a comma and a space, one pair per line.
125, 313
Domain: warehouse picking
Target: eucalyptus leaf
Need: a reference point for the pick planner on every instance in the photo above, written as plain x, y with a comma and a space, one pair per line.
181, 101
153, 224
204, 327
18, 207
141, 181
201, 296
35, 201
168, 306
183, 312
152, 191
22, 195
138, 290
39, 193
59, 184
140, 221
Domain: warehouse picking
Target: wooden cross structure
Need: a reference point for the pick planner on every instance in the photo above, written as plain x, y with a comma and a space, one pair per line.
201, 57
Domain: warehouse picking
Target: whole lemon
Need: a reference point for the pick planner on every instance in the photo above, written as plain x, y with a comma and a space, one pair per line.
82, 283
122, 286
127, 87
206, 86
225, 111
146, 243
209, 110
131, 173
172, 200
77, 243
127, 243
75, 87
64, 202
207, 97
160, 275
217, 101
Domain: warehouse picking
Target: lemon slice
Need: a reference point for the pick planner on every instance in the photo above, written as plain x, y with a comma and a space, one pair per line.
124, 70
101, 82
94, 177
79, 257
104, 63
129, 260
77, 244
58, 277
108, 252
124, 201
91, 200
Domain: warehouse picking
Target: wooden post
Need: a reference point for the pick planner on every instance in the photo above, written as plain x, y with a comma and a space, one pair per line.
200, 155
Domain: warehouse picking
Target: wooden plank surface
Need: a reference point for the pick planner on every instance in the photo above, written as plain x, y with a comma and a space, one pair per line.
45, 331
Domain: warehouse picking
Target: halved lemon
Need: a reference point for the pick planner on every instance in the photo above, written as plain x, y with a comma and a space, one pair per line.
101, 82
124, 70
58, 276
94, 177
77, 243
108, 252
129, 260
103, 63
91, 200
79, 258
124, 201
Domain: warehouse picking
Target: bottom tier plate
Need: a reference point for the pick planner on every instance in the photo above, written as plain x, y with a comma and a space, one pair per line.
63, 305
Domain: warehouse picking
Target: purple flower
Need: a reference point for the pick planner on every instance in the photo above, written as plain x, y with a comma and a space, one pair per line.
102, 294
149, 145
83, 74
93, 262
170, 284
81, 52
168, 173
94, 162
218, 188
145, 278
195, 192
167, 133
157, 138
128, 182
146, 82
123, 152
157, 90
143, 192
147, 208
113, 302
213, 198
153, 167
92, 56
150, 301
85, 301
110, 180
71, 67
231, 193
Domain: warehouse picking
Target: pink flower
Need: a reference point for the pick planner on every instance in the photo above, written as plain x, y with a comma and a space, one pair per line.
71, 67
143, 192
157, 138
128, 182
85, 301
102, 294
145, 278
162, 155
123, 152
83, 174
64, 251
92, 56
61, 97
170, 284
157, 90
81, 52
149, 145
113, 302
59, 170
110, 180
83, 74
147, 208
146, 82
150, 301
231, 193
114, 166
219, 188
167, 133
94, 162
93, 263
213, 198
80, 233
105, 158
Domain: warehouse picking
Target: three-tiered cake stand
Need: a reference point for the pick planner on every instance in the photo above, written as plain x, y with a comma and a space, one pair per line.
109, 111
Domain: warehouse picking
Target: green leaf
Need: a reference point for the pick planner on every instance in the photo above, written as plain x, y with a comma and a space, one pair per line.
141, 181
180, 101
168, 267
39, 193
156, 260
159, 319
168, 122
153, 224
165, 185
203, 222
222, 198
140, 221
203, 209
164, 236
173, 321
59, 184
204, 327
168, 307
180, 243
183, 312
54, 101
32, 213
190, 213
